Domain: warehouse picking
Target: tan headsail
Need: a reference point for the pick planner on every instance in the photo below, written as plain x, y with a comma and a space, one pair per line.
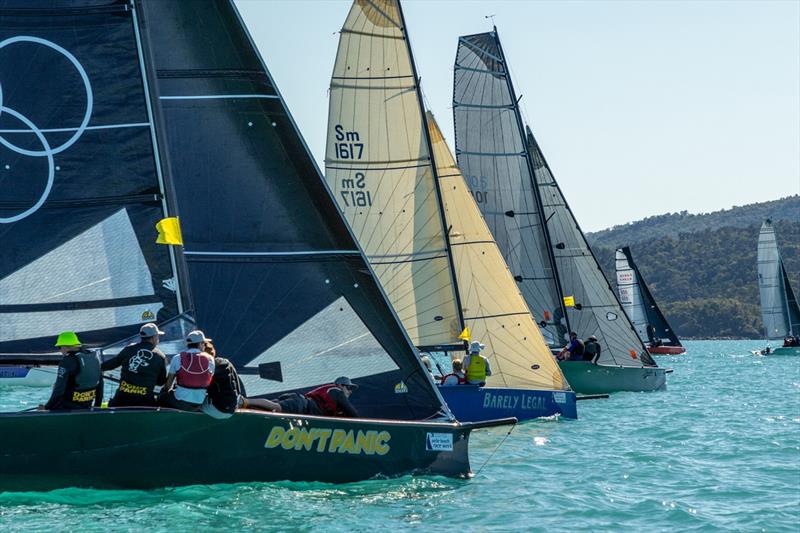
379, 169
494, 309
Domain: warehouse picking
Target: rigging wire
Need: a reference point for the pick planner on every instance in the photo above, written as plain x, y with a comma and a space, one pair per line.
495, 450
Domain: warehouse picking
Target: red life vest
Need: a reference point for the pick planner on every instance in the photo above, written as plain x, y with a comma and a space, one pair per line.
194, 372
462, 380
322, 398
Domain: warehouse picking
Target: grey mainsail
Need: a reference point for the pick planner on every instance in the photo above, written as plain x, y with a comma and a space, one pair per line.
483, 101
779, 308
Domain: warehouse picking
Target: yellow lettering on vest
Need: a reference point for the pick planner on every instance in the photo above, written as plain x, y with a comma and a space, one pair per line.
274, 437
305, 439
324, 435
365, 442
126, 387
337, 439
349, 443
289, 438
382, 443
86, 396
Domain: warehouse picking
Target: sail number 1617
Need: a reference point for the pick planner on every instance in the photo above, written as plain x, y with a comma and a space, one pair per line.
347, 145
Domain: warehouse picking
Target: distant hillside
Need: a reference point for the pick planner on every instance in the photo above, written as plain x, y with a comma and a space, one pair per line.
705, 281
672, 224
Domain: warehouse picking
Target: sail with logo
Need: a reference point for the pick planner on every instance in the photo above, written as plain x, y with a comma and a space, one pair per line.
641, 308
779, 308
397, 184
269, 269
82, 187
494, 146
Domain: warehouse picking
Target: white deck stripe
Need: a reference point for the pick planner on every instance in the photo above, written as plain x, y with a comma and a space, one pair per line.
310, 252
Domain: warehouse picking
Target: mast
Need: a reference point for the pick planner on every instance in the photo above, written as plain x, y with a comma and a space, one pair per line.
534, 185
435, 173
161, 161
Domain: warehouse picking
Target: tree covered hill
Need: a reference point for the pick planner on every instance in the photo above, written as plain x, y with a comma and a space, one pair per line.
673, 224
705, 281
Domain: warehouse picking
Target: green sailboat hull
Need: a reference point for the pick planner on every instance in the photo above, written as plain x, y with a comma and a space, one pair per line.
149, 448
588, 378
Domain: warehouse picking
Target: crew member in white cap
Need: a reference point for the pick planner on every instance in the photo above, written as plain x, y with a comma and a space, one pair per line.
192, 371
477, 366
143, 368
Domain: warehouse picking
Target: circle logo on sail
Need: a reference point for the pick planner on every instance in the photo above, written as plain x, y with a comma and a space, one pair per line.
47, 151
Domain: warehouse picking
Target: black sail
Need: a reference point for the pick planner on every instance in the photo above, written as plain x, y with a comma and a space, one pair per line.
274, 272
80, 178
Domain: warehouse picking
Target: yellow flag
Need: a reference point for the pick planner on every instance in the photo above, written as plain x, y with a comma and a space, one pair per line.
569, 301
465, 335
169, 231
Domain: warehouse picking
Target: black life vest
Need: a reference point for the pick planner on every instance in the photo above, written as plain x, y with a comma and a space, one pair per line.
81, 390
224, 390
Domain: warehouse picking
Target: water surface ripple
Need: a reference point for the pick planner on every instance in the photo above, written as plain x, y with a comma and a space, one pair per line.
720, 450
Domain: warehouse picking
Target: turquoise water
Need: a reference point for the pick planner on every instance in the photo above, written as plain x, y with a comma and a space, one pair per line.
720, 450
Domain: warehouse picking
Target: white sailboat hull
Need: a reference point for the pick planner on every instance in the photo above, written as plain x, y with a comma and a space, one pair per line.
27, 375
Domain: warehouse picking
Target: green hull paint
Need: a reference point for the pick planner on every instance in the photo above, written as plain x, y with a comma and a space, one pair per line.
148, 448
785, 350
587, 378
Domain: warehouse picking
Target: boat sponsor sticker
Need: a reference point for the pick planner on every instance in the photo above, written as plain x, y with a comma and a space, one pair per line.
560, 397
401, 388
439, 442
326, 440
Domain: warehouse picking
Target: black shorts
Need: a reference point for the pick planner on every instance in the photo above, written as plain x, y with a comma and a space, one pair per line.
293, 402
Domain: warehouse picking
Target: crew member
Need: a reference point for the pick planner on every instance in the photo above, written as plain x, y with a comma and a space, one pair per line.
456, 377
143, 367
477, 366
575, 349
79, 384
332, 399
226, 392
592, 349
192, 371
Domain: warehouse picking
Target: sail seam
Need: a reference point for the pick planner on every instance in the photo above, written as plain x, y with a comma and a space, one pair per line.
218, 96
101, 127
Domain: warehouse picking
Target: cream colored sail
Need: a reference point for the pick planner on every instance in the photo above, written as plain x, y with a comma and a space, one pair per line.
493, 307
379, 170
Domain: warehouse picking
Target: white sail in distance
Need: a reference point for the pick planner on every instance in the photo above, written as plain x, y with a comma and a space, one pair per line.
379, 169
779, 308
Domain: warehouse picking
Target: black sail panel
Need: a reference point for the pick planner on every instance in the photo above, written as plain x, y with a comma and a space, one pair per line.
81, 185
791, 304
275, 275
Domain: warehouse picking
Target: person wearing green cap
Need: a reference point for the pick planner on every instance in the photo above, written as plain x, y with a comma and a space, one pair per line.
79, 383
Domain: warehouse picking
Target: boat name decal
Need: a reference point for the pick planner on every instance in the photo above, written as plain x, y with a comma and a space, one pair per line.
504, 401
323, 440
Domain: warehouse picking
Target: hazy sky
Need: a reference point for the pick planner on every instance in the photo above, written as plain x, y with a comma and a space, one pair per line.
641, 107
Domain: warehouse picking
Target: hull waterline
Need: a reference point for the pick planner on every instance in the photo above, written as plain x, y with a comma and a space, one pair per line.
588, 378
99, 449
470, 403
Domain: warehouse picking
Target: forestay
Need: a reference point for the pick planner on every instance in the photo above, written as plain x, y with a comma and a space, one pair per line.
494, 309
490, 147
639, 304
275, 274
779, 308
80, 178
379, 169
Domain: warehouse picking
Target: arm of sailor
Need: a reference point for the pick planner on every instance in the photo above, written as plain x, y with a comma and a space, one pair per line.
488, 368
343, 403
117, 360
161, 379
66, 369
98, 392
